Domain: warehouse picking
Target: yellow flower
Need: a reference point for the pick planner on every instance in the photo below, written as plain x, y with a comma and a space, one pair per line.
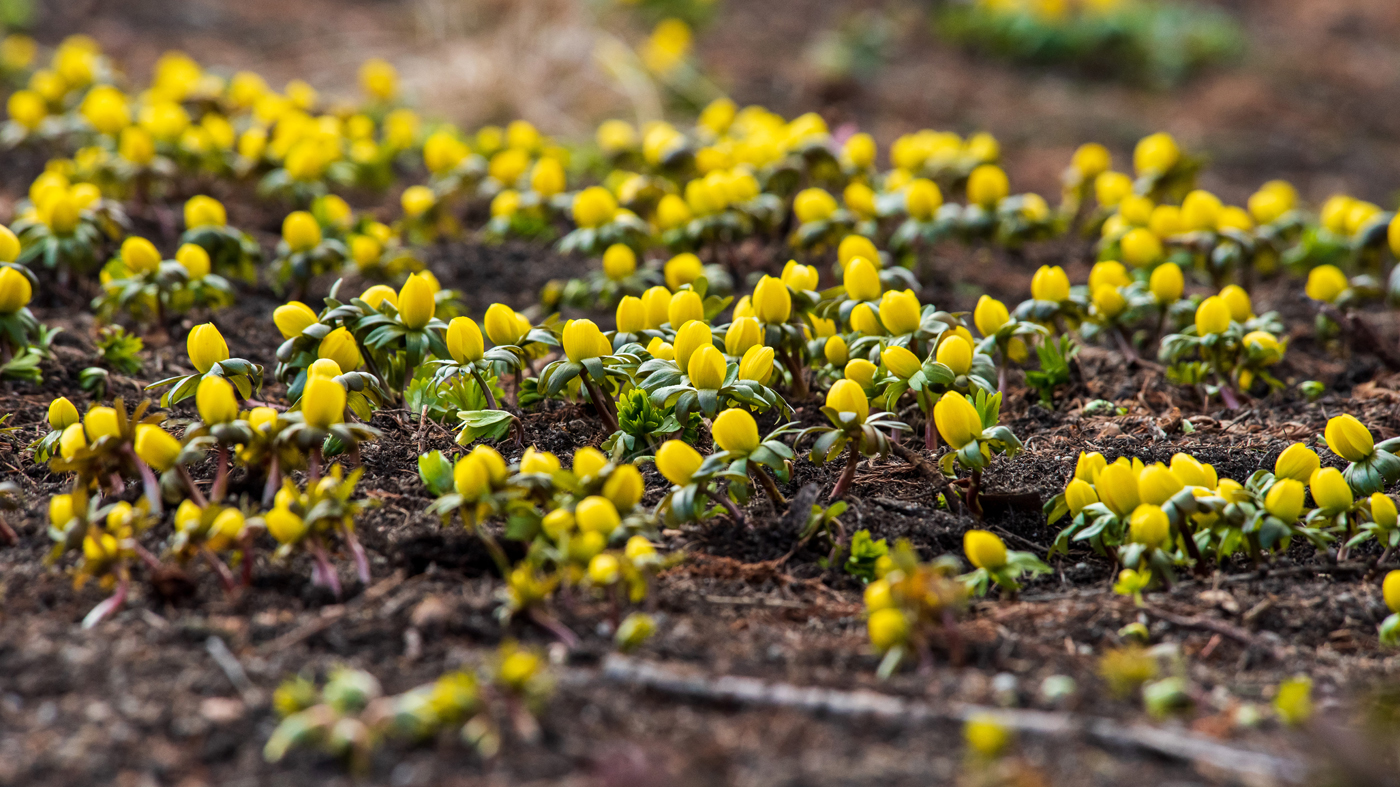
862, 280
300, 231
74, 437
1285, 499
677, 461
847, 396
922, 199
1191, 472
1108, 272
1349, 438
706, 368
1050, 284
1383, 510
339, 346
656, 304
813, 204
1091, 159
60, 510
9, 245
1140, 247
464, 341
1117, 486
1149, 525
1297, 462
62, 413
156, 447
1109, 302
799, 277
836, 351
1326, 282
583, 340
1234, 218
987, 185
957, 419
378, 79
504, 326
864, 320
262, 419
597, 514
1156, 154
624, 487
681, 270
100, 422
416, 302
984, 549
548, 178
322, 402
1200, 211
1079, 494
661, 349
293, 318
691, 337
1237, 299
757, 364
619, 261
853, 246
986, 736
1167, 282
27, 108
860, 150
15, 290
990, 315
416, 201
1212, 316
1157, 485
901, 362
140, 255
955, 352
215, 400
1330, 490
285, 526
684, 307
1265, 342
194, 259
616, 136
1111, 187
887, 628
862, 372
735, 431
604, 569
379, 294
1089, 465
900, 312
742, 334
594, 207
859, 199
206, 347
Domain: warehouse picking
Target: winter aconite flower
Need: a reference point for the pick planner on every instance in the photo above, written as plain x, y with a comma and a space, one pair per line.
464, 341
15, 290
1297, 462
1149, 525
206, 347
677, 462
735, 431
1349, 438
847, 396
156, 447
1212, 316
215, 401
1050, 284
293, 318
1330, 490
772, 302
416, 302
1285, 500
957, 419
323, 402
300, 231
862, 280
984, 549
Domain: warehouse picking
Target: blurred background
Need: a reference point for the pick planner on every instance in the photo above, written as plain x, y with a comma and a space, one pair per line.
1301, 89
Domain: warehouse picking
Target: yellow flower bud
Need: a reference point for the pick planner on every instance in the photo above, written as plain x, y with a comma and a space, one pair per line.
772, 302
73, 438
690, 337
957, 419
1349, 438
631, 315
878, 595
922, 199
900, 312
672, 212
502, 325
9, 245
1157, 485
990, 315
1237, 299
656, 304
1140, 247
1330, 490
1285, 499
323, 367
416, 302
1167, 282
62, 413
548, 178
1117, 486
15, 291
339, 346
604, 569
619, 261
887, 628
735, 431
853, 246
101, 422
987, 185
594, 207
140, 255
194, 259
836, 351
1050, 284
1149, 526
1089, 465
955, 352
215, 400
677, 461
1234, 218
1190, 472
1091, 159
61, 510
757, 364
984, 549
1382, 510
847, 396
323, 402
1212, 316
285, 526
860, 150
583, 340
813, 204
706, 368
1390, 591
684, 307
416, 201
536, 461
1200, 211
300, 231
558, 523
859, 199
1297, 462
901, 362
1110, 273
597, 515
742, 334
1156, 154
1111, 187
861, 372
862, 280
624, 487
293, 318
1326, 282
1109, 301
206, 347
156, 447
681, 270
1078, 495
661, 349
464, 341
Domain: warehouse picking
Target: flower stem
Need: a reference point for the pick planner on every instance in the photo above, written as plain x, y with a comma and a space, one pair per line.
195, 495
221, 477
485, 389
769, 486
274, 480
728, 505
799, 376
847, 475
604, 412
